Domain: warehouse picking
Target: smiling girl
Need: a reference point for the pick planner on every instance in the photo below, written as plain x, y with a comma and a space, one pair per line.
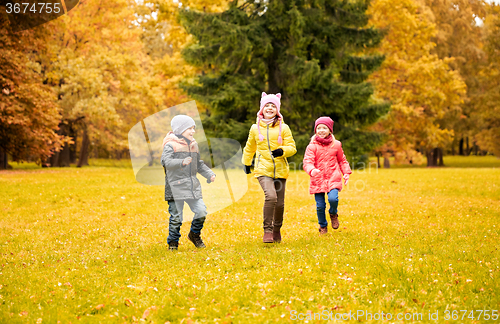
325, 162
271, 139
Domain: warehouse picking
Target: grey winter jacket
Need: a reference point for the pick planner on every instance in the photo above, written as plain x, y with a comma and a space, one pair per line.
181, 182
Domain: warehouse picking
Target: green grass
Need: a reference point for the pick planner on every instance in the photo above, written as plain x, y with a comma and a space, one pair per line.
452, 161
89, 246
123, 163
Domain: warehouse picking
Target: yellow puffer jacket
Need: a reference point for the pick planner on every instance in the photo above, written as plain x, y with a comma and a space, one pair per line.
265, 164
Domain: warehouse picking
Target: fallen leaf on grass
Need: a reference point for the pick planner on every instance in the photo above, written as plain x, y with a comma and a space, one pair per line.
100, 306
128, 302
147, 312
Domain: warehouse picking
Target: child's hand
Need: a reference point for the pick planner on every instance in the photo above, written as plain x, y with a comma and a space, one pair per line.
346, 178
277, 153
315, 172
187, 160
212, 179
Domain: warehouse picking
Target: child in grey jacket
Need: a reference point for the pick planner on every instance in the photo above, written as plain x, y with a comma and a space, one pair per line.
181, 161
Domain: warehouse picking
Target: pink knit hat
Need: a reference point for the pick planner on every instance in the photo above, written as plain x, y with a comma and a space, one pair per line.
274, 99
327, 121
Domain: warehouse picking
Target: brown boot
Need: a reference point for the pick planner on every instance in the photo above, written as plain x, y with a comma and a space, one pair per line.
323, 230
268, 237
276, 236
335, 220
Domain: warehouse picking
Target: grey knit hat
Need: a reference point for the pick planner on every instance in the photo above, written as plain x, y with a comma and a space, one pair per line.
180, 123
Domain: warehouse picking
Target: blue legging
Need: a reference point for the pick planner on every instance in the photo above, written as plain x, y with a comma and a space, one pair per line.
333, 199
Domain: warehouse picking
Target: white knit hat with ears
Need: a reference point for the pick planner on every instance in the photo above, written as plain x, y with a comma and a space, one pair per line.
180, 123
274, 99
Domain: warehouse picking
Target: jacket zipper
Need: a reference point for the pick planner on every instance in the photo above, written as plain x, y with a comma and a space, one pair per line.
190, 171
270, 152
258, 161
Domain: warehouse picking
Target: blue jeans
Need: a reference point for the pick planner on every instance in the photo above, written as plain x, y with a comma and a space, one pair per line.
333, 199
175, 208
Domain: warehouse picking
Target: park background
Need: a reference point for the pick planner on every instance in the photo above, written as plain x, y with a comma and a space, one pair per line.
413, 87
412, 81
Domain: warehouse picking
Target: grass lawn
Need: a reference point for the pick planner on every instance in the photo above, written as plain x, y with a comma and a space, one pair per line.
453, 161
89, 246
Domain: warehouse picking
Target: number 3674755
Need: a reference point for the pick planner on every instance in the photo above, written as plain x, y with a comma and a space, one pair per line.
471, 314
33, 8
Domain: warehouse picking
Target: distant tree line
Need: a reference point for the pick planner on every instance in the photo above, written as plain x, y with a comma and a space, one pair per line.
409, 79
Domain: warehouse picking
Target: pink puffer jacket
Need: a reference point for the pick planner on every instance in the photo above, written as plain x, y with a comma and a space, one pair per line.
331, 162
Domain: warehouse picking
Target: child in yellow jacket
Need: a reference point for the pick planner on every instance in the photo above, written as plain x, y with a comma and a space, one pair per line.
272, 142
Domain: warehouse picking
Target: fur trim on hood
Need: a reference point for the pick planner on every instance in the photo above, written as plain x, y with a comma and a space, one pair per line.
172, 137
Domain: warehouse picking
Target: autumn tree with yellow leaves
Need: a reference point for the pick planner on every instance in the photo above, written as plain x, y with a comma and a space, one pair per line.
459, 35
29, 116
104, 80
421, 87
488, 138
164, 39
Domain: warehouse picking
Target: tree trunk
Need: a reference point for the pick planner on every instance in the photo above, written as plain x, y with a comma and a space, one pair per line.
4, 159
431, 161
378, 160
54, 160
435, 154
461, 147
387, 164
467, 150
73, 148
440, 157
435, 157
84, 150
453, 146
64, 154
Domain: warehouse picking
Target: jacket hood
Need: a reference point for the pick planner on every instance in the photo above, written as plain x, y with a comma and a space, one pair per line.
314, 141
170, 137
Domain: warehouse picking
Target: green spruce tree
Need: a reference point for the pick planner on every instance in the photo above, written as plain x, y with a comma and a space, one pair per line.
308, 50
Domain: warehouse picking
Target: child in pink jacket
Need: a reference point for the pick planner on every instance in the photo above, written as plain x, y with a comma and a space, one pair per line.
325, 162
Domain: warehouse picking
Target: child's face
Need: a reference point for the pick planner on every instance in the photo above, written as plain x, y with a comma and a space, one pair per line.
322, 131
269, 110
188, 133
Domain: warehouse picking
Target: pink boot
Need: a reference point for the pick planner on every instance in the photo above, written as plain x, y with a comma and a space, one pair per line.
277, 236
268, 237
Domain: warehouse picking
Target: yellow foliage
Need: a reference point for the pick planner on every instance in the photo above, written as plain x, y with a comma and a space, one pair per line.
171, 65
421, 87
